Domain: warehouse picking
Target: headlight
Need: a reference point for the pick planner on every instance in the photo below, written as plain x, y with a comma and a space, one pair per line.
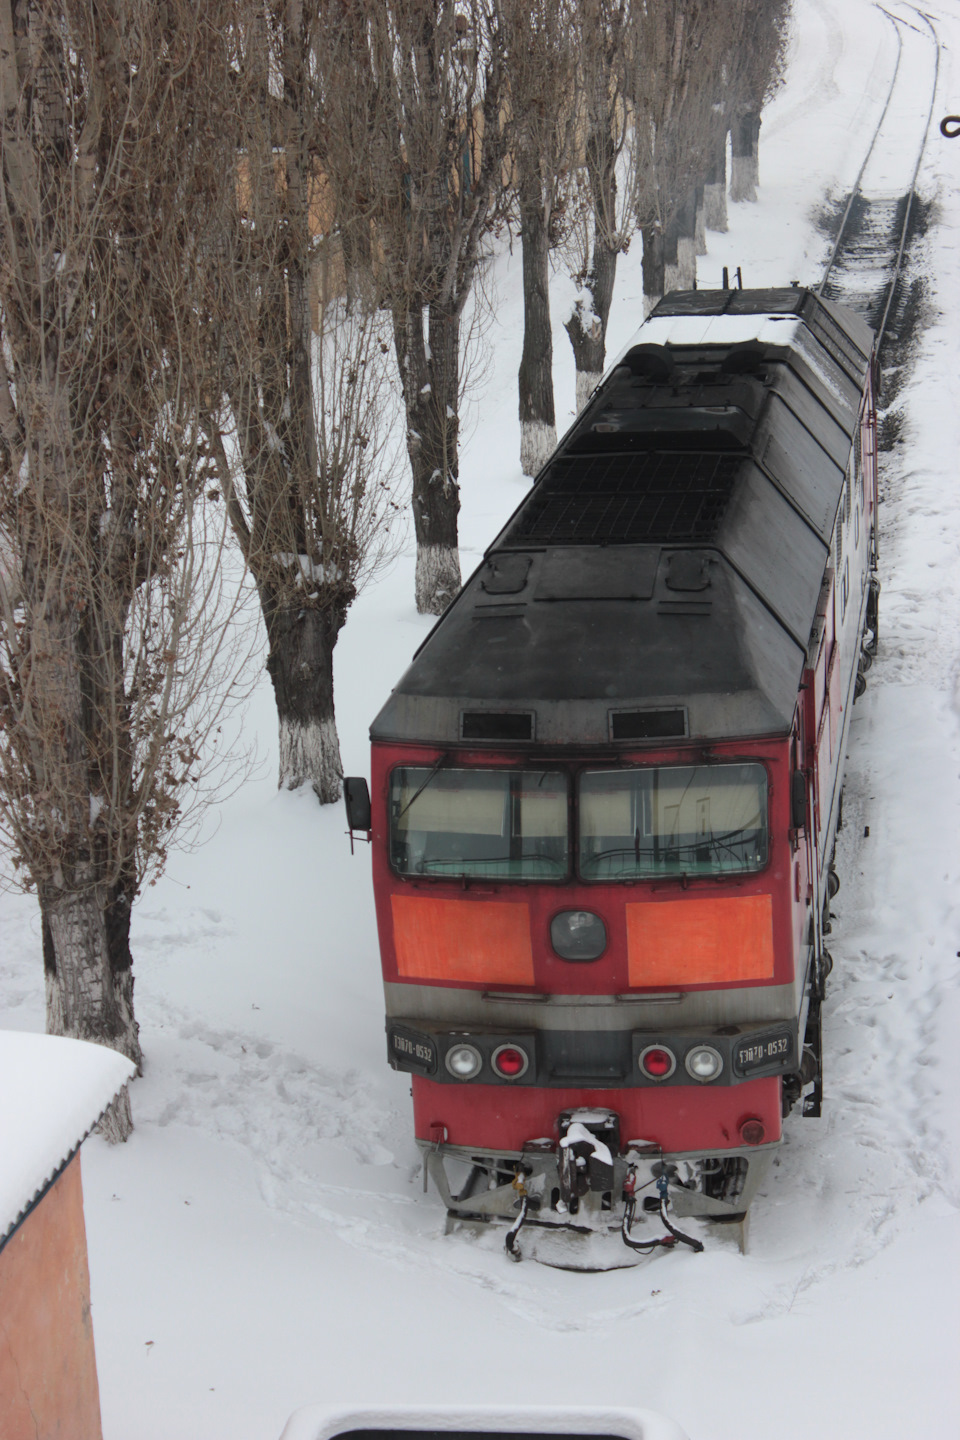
463, 1061
703, 1063
657, 1062
578, 935
510, 1062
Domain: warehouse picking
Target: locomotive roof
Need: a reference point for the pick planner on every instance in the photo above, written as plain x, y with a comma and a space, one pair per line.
661, 577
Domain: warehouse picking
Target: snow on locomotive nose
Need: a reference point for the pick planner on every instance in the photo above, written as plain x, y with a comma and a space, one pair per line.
605, 793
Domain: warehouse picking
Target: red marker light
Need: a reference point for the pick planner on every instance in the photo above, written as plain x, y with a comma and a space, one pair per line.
509, 1061
752, 1132
657, 1062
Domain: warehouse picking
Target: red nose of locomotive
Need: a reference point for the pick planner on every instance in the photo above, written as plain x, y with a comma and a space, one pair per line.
574, 951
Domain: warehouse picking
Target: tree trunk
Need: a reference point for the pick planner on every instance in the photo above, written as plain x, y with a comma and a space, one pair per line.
359, 275
588, 329
744, 159
686, 223
116, 1122
653, 266
88, 977
671, 258
300, 664
715, 187
679, 247
538, 425
431, 393
74, 637
700, 224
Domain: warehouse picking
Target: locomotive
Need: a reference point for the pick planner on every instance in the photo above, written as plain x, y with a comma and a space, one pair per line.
605, 793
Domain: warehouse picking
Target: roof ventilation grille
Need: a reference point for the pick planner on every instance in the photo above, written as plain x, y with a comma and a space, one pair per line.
496, 725
647, 724
653, 498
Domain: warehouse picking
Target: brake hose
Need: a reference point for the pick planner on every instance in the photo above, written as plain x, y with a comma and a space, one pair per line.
510, 1241
695, 1245
663, 1242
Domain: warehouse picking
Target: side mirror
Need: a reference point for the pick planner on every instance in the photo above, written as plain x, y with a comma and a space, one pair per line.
356, 797
798, 800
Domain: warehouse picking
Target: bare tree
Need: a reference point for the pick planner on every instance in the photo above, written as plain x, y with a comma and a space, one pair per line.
608, 37
543, 87
715, 179
749, 41
759, 74
115, 152
421, 131
683, 46
302, 433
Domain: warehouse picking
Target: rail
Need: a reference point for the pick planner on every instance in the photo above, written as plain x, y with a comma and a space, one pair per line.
883, 300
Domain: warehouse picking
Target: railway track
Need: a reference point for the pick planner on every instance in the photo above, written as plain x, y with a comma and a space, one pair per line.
864, 268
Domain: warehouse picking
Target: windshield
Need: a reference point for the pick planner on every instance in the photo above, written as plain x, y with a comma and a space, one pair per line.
677, 820
507, 824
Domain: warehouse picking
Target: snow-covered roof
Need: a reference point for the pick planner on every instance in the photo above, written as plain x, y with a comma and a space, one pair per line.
714, 330
53, 1093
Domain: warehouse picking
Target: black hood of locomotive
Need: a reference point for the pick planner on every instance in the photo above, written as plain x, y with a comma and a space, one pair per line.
662, 576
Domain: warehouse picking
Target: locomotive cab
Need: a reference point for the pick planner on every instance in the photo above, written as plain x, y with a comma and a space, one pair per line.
605, 793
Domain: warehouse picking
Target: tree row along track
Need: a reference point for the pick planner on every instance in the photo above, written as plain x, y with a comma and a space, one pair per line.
863, 271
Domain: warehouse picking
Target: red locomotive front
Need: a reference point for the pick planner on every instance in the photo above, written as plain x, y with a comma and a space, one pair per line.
602, 811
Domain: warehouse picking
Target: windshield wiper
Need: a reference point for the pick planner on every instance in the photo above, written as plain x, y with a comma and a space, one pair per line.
416, 795
715, 842
434, 867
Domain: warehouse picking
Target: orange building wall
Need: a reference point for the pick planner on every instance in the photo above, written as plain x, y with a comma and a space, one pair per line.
48, 1372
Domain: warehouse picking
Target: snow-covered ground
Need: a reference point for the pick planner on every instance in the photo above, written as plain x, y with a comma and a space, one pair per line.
263, 1242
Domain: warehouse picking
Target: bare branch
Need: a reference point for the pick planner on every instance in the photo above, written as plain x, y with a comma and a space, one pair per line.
117, 155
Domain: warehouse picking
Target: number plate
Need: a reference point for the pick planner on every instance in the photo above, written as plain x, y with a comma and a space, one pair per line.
411, 1050
769, 1053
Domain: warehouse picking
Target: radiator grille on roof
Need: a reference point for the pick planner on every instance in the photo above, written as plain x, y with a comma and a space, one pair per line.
655, 498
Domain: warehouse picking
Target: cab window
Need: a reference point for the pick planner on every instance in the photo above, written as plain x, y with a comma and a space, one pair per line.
496, 824
672, 820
